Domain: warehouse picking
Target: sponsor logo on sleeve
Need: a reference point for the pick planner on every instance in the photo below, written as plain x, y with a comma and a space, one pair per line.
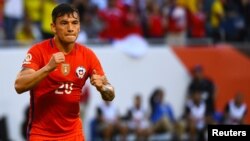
27, 59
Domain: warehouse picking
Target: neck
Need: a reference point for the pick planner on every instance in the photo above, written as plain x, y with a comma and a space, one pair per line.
66, 48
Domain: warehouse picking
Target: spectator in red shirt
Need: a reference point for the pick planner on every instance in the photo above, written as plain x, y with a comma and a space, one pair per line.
113, 19
177, 24
155, 21
132, 21
198, 21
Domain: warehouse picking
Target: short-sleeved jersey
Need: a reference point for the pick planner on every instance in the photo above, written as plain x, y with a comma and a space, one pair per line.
54, 112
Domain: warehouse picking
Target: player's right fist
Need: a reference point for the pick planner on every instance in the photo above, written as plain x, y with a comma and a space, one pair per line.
55, 60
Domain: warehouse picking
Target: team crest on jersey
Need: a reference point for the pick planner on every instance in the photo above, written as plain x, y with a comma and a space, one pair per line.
65, 69
80, 71
27, 59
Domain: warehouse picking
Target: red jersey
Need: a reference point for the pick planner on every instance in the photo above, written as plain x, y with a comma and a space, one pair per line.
156, 28
55, 112
177, 20
198, 24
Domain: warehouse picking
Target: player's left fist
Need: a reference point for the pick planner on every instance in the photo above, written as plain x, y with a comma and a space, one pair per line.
98, 81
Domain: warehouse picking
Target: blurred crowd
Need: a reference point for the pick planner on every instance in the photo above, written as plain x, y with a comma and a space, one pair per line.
173, 21
160, 123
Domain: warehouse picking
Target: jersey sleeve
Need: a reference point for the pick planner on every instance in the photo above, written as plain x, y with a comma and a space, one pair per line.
95, 64
32, 59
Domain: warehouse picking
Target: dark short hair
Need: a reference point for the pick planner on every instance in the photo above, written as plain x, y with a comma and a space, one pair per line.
63, 9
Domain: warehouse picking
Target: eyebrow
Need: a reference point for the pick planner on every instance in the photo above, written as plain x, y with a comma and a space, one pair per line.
66, 20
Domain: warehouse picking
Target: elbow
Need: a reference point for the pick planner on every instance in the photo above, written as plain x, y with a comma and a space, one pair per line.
19, 89
108, 93
109, 97
112, 97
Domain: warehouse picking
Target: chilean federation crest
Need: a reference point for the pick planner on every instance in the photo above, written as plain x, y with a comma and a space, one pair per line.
80, 71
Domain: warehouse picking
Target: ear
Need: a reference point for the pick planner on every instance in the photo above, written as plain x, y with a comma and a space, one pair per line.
53, 27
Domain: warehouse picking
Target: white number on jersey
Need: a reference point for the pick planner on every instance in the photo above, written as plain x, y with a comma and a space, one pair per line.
65, 88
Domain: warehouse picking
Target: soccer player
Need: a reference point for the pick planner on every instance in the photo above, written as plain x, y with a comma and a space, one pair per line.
54, 71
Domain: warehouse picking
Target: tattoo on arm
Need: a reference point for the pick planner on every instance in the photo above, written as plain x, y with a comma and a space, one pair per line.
108, 93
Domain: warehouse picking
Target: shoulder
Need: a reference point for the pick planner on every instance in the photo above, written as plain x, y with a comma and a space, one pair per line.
43, 45
84, 48
87, 51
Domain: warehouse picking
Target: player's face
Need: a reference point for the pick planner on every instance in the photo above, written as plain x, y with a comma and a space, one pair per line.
67, 27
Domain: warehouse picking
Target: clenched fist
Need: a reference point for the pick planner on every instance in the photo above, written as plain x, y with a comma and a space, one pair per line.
102, 85
98, 81
55, 60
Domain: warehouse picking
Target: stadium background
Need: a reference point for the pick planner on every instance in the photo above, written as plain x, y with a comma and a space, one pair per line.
159, 66
136, 66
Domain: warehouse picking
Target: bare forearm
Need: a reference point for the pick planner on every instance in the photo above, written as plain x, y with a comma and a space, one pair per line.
25, 82
108, 93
